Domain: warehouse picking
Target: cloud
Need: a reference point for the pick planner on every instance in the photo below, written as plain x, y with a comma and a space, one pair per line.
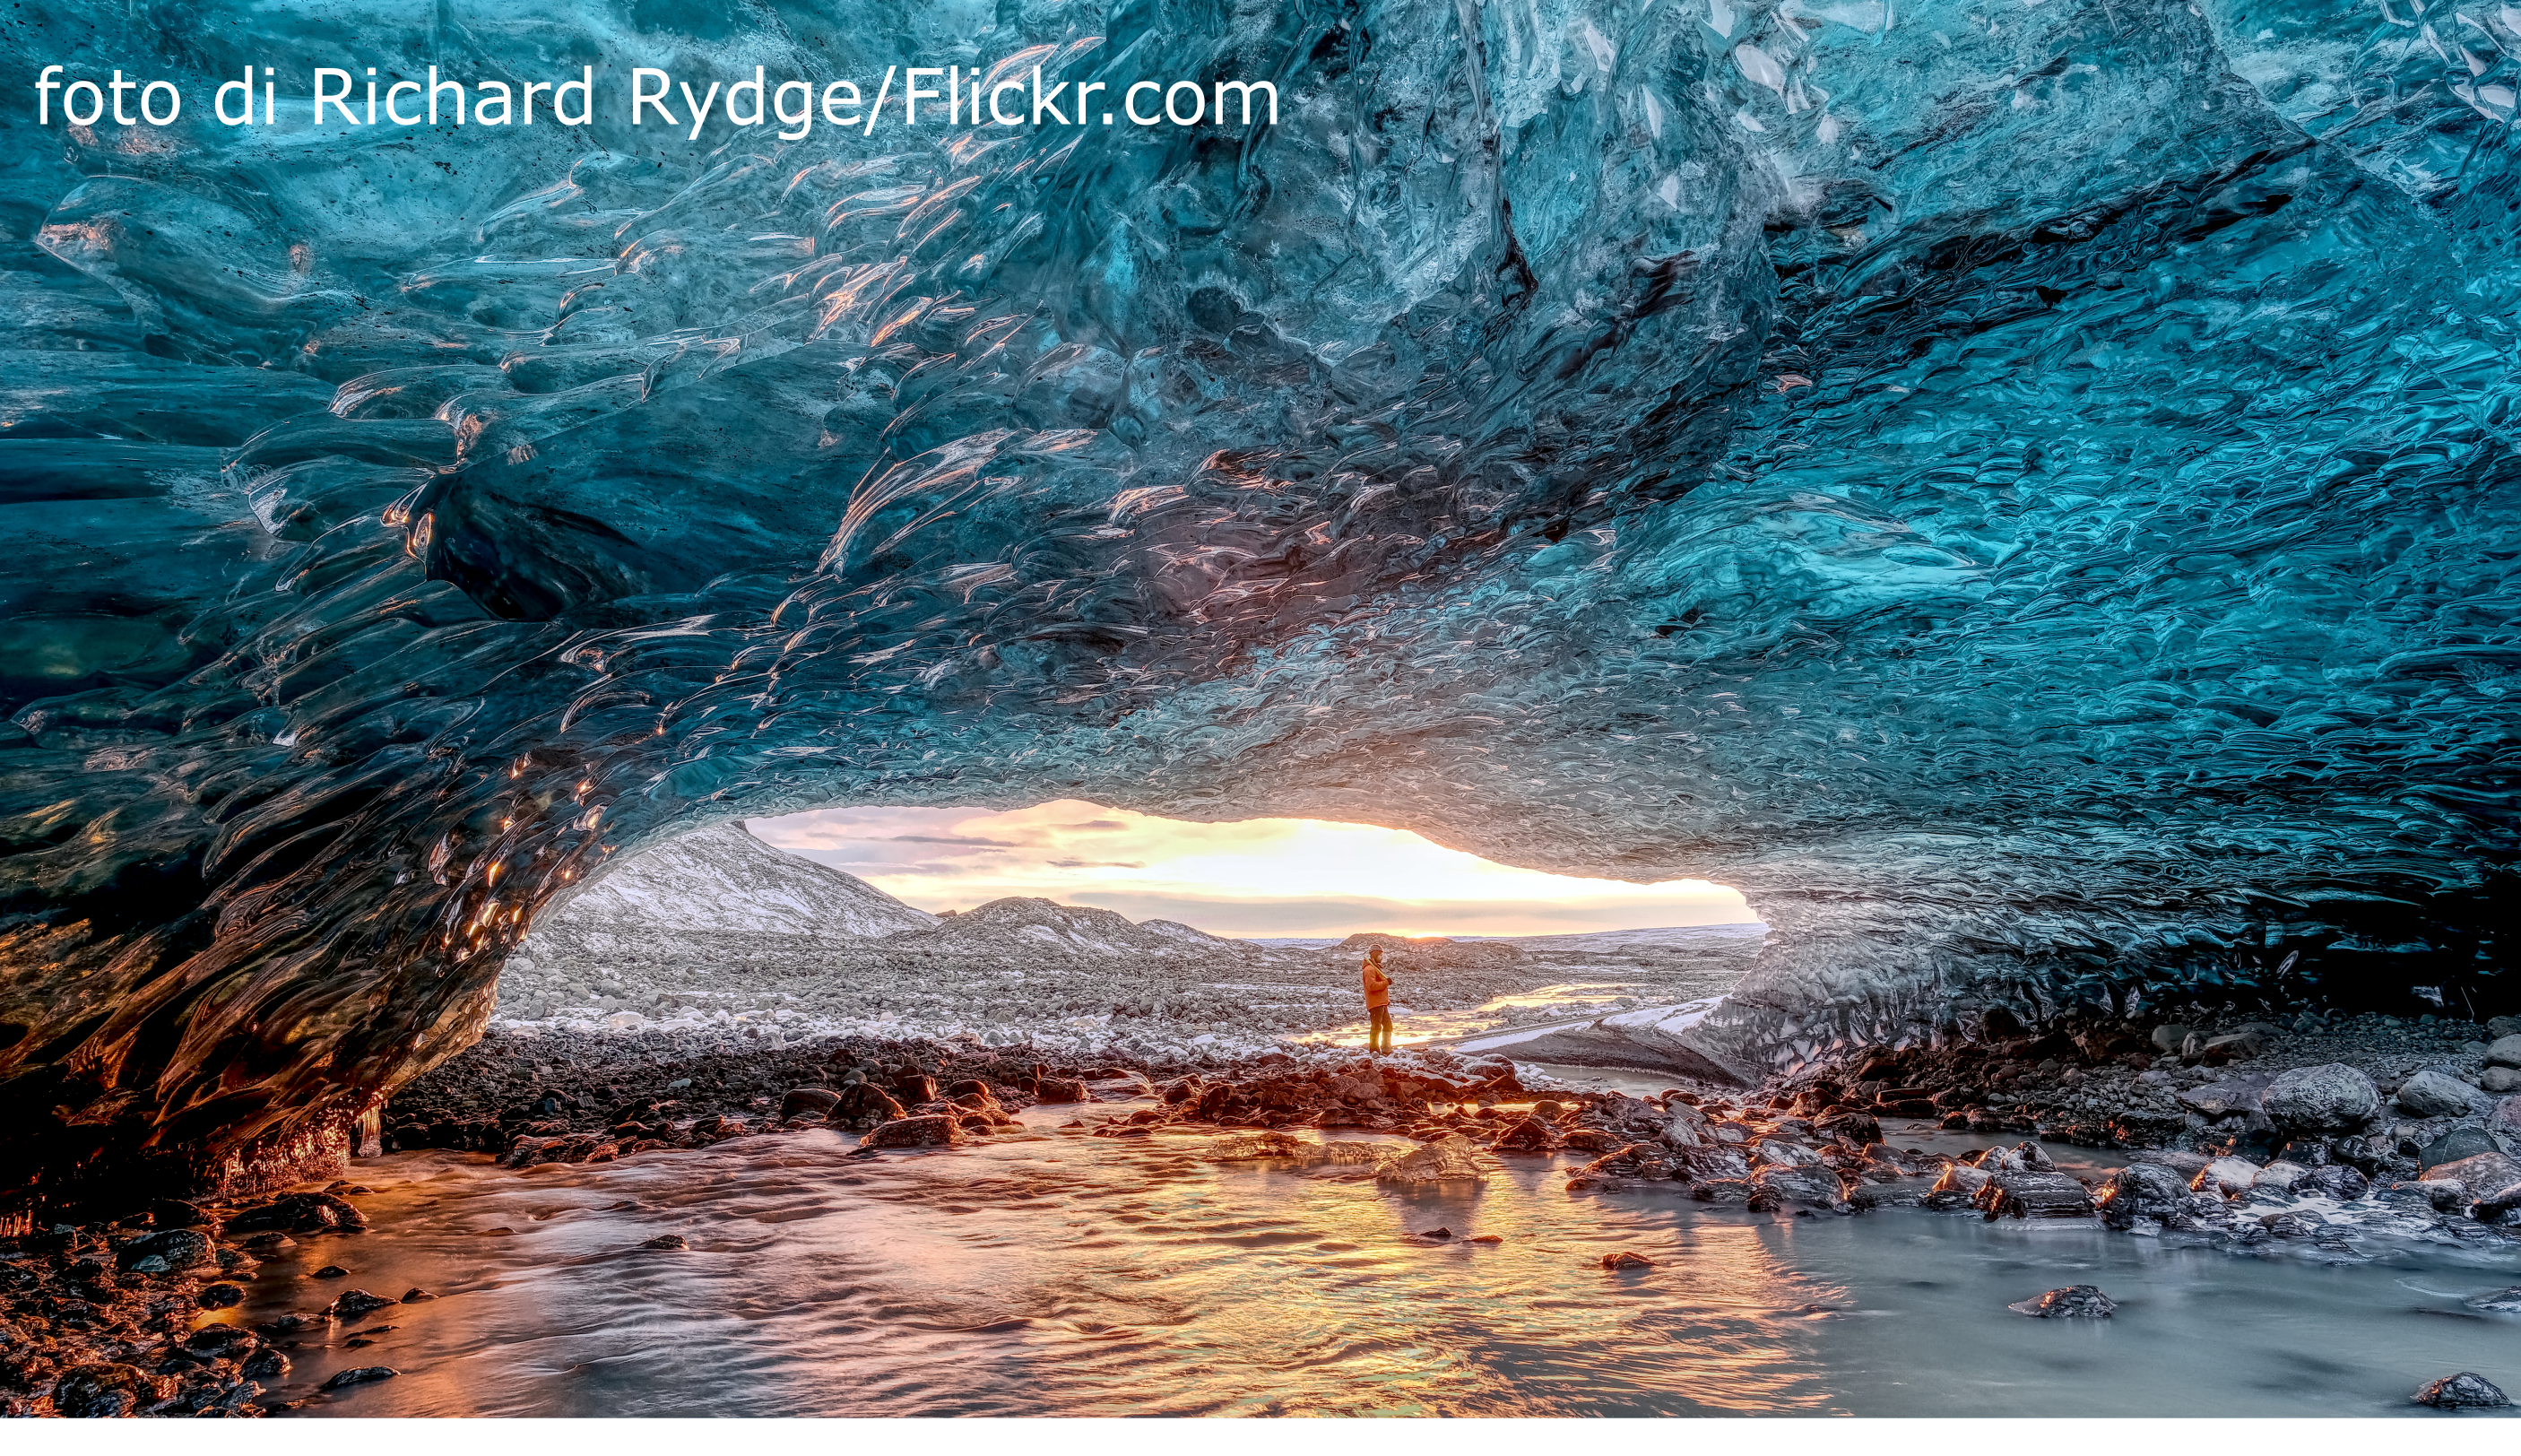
1257, 877
951, 839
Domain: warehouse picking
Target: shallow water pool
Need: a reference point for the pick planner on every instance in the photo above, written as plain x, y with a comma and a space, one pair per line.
1054, 1273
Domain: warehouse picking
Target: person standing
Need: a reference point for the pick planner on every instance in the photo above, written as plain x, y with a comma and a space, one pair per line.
1378, 1003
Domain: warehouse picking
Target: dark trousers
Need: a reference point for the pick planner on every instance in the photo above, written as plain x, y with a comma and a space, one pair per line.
1378, 1030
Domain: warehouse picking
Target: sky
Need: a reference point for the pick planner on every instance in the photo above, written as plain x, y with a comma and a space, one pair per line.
1256, 878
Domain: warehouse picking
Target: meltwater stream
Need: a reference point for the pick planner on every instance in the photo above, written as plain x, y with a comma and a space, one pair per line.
1055, 1273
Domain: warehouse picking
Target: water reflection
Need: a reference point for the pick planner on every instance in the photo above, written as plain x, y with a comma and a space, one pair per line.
1057, 1273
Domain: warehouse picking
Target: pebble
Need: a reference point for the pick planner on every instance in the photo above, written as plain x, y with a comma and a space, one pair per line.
359, 1376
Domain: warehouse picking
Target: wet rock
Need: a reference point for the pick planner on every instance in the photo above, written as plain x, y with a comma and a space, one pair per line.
2075, 1301
2331, 1098
177, 1248
2493, 1182
361, 1375
2338, 1181
1722, 1192
2142, 1191
1687, 1127
2433, 1094
268, 1366
106, 1389
1887, 1196
2464, 1391
300, 1213
1856, 1129
1809, 1186
219, 1342
2505, 1120
808, 1102
1527, 1135
2454, 1146
1062, 1090
2281, 1176
2294, 1225
2500, 1301
666, 1242
932, 1130
357, 1301
2223, 1099
2497, 1080
1627, 1258
864, 1104
2502, 1027
2033, 1195
220, 1297
2504, 1051
1783, 1153
2227, 1176
331, 1271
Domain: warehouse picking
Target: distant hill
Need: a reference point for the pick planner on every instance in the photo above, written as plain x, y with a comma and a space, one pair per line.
1021, 925
723, 881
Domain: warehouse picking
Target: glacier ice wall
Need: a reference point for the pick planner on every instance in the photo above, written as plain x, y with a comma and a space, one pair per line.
2025, 491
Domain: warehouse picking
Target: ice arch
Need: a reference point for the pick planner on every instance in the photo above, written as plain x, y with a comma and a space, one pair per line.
2025, 493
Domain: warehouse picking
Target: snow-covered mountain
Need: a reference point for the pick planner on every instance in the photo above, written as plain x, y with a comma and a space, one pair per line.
723, 880
1021, 925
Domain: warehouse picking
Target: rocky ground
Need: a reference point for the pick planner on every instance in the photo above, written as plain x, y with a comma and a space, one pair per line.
1162, 998
2265, 1137
131, 1315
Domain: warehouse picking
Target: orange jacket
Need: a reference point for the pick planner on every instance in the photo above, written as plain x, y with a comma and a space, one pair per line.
1378, 987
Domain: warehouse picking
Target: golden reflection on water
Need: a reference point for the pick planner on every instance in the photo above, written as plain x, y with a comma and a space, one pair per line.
1057, 1273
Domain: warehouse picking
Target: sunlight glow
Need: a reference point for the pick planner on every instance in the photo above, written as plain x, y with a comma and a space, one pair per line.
1255, 878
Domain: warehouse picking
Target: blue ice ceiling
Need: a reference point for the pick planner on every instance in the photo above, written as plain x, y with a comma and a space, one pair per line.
2023, 490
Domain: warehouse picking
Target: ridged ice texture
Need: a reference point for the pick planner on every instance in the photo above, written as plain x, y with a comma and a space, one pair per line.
2024, 492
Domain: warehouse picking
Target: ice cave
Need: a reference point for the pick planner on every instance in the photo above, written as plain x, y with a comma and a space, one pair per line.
2025, 491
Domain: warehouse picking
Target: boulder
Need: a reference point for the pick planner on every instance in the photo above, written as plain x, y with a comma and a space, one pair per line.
2225, 1098
1726, 1191
178, 1249
2075, 1301
356, 1303
1870, 1195
2338, 1181
2434, 1094
864, 1104
2171, 1037
2499, 1080
2281, 1176
808, 1102
1962, 1179
1812, 1186
2504, 1051
2142, 1190
2033, 1195
104, 1390
2493, 1180
2331, 1098
298, 1213
1527, 1135
1062, 1089
929, 1132
2501, 1027
1685, 1126
2453, 1145
2462, 1390
1783, 1153
2227, 1176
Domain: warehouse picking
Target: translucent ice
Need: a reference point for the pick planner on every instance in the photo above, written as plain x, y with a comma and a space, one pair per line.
2026, 492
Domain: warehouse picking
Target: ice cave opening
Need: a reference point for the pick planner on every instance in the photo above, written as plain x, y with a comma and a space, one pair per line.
1079, 929
2029, 501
